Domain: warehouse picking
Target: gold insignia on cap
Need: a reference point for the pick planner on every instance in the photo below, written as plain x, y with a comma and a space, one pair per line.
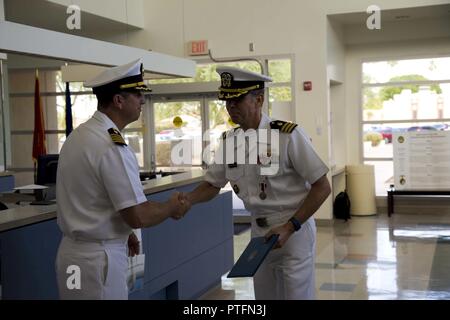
226, 79
116, 137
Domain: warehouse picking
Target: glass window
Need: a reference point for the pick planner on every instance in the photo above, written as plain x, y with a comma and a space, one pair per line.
219, 122
279, 94
406, 70
83, 107
135, 141
280, 70
384, 175
167, 135
407, 102
377, 138
207, 72
411, 91
73, 86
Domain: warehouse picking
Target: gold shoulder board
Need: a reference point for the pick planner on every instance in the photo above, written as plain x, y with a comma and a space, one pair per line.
116, 137
283, 126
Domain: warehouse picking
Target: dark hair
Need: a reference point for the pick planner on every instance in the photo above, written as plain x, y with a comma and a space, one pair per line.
106, 98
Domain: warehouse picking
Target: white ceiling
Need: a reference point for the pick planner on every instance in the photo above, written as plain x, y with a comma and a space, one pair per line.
51, 16
416, 13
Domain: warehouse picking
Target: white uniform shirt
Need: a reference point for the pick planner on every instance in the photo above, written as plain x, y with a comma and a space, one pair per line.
299, 167
96, 178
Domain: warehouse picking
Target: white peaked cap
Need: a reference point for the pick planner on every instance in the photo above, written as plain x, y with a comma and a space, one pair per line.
243, 75
127, 76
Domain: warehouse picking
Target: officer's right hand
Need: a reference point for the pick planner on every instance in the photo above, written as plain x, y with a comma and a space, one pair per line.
284, 231
178, 205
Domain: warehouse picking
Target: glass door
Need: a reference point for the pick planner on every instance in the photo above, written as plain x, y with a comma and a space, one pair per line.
219, 121
177, 123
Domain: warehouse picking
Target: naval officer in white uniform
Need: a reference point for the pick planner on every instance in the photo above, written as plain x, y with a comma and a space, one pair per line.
100, 198
282, 189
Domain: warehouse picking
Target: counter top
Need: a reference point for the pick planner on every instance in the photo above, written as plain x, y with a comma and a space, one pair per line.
6, 173
25, 215
173, 181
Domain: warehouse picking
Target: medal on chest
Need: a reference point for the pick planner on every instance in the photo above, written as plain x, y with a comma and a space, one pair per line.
265, 158
263, 187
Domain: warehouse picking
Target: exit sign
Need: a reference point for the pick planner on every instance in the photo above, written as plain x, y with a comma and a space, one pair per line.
197, 48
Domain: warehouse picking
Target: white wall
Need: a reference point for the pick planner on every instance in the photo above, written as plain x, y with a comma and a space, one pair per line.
125, 11
401, 30
335, 51
388, 51
2, 17
338, 125
2, 10
334, 7
336, 75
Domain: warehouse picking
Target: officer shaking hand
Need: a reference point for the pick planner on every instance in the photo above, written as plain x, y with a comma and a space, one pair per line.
99, 194
272, 166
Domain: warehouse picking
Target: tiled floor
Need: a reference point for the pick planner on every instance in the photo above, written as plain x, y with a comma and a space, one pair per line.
403, 257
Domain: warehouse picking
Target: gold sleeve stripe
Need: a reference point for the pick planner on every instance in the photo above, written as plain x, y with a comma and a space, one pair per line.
291, 127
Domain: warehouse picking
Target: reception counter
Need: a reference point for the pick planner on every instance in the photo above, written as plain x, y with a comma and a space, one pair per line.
183, 259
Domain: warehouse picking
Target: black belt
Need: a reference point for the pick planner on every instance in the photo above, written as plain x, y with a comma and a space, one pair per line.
262, 222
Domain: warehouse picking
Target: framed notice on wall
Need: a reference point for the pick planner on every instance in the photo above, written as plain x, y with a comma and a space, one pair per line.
422, 160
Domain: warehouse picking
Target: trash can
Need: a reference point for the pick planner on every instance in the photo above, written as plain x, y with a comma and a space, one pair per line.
361, 189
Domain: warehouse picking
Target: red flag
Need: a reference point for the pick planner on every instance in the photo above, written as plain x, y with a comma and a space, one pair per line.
39, 133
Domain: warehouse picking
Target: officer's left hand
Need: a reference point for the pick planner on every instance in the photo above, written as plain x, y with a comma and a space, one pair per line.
133, 245
284, 231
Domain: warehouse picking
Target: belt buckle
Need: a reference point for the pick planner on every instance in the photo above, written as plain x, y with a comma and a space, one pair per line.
262, 222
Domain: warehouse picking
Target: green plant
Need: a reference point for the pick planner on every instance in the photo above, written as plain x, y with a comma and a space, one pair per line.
374, 137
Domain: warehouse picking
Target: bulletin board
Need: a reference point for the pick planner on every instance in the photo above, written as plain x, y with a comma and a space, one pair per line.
422, 160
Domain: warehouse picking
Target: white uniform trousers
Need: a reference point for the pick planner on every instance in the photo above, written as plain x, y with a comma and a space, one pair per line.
288, 273
103, 267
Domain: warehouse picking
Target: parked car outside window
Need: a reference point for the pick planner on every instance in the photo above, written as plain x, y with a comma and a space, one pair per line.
422, 128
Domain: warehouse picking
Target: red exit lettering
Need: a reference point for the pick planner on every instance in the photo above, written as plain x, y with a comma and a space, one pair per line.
198, 47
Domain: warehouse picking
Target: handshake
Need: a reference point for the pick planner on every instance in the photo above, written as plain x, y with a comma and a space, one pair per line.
178, 205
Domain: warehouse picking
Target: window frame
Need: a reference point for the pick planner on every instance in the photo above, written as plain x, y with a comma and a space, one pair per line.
363, 85
205, 92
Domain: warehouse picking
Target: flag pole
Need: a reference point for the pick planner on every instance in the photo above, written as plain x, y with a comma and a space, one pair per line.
39, 127
35, 160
